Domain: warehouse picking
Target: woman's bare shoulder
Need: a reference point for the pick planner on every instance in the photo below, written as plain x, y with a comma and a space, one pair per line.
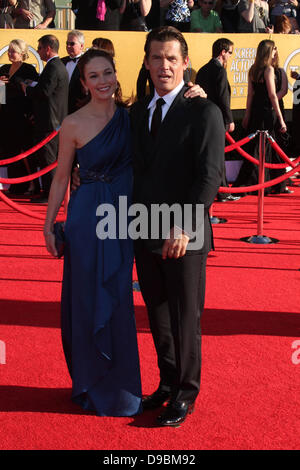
269, 69
73, 122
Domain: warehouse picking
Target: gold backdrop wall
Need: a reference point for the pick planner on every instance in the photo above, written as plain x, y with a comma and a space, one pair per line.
129, 55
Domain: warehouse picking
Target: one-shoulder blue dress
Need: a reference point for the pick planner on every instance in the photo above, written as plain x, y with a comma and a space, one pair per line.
98, 324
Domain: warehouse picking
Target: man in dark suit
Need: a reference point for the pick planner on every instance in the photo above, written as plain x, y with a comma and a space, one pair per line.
178, 153
212, 77
50, 105
75, 48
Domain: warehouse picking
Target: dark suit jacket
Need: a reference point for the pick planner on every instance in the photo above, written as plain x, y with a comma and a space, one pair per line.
184, 164
50, 97
212, 77
75, 88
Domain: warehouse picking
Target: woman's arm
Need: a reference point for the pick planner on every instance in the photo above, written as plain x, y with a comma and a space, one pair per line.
50, 15
284, 85
248, 104
145, 6
248, 14
61, 179
123, 7
270, 82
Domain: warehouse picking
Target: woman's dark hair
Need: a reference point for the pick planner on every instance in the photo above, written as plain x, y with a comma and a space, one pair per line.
164, 34
263, 59
105, 44
92, 54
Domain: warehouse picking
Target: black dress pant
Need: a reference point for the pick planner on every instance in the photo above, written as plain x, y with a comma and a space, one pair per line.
174, 291
45, 157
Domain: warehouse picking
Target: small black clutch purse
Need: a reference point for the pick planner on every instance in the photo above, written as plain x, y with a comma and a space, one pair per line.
58, 229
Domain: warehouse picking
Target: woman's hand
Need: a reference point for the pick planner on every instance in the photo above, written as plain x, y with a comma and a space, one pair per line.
194, 90
270, 29
4, 78
50, 243
283, 128
294, 75
27, 15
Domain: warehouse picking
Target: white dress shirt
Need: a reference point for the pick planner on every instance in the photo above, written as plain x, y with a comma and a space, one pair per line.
70, 66
168, 98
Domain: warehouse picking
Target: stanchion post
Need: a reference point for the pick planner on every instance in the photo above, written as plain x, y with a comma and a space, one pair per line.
261, 180
261, 239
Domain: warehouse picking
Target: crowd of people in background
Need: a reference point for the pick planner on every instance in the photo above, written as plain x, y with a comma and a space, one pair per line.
24, 88
196, 16
37, 104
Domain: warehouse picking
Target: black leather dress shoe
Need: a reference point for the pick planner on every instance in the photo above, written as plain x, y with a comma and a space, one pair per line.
157, 399
176, 413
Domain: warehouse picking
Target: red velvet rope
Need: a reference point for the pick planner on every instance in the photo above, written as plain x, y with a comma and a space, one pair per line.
21, 209
222, 189
280, 151
276, 166
24, 179
7, 161
239, 143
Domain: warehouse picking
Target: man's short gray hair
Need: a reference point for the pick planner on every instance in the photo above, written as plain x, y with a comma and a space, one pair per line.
78, 34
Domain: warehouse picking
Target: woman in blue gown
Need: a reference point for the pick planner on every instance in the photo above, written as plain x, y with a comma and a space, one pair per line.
98, 325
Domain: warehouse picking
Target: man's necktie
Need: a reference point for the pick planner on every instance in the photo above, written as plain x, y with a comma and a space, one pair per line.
156, 118
73, 60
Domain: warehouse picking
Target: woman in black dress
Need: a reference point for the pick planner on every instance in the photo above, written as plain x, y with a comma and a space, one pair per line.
262, 111
281, 82
16, 129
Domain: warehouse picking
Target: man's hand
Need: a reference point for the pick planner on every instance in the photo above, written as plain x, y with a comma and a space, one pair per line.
231, 127
194, 90
175, 245
75, 179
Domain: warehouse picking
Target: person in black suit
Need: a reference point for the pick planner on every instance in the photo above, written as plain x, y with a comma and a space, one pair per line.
50, 105
212, 77
87, 15
179, 160
75, 49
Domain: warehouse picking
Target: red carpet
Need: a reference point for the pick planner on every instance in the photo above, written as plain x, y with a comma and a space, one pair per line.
250, 388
